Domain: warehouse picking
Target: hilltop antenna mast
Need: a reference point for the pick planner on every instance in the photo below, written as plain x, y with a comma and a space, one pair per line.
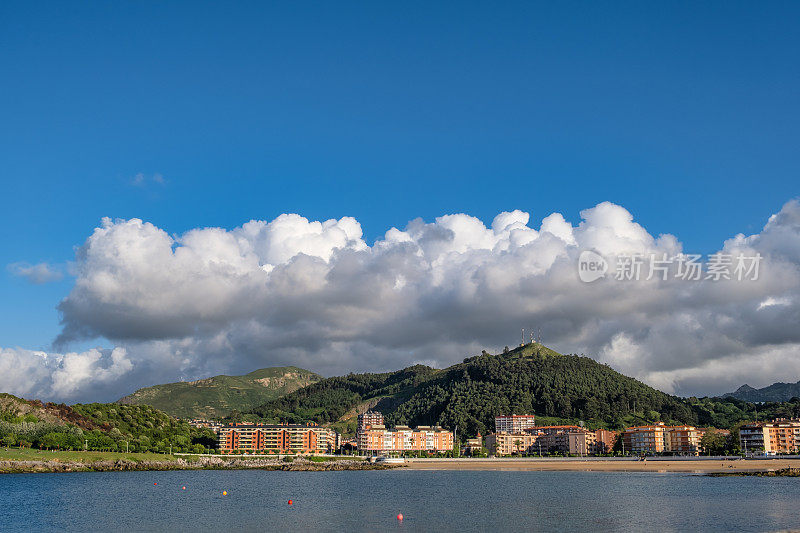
522, 343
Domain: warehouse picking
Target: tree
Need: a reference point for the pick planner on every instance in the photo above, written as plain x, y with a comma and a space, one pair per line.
713, 442
52, 441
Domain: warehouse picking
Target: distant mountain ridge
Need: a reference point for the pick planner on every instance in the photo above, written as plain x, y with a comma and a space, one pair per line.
217, 396
777, 392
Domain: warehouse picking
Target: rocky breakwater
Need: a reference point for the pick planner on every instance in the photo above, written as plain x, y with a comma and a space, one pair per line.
297, 464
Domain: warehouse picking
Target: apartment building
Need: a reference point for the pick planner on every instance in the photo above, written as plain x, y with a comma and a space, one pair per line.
513, 423
659, 438
370, 418
644, 439
376, 438
604, 440
779, 436
277, 438
684, 440
512, 444
573, 440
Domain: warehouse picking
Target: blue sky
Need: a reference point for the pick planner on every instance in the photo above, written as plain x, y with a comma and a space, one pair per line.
684, 113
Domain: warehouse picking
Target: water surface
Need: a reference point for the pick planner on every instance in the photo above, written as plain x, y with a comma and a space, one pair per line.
370, 501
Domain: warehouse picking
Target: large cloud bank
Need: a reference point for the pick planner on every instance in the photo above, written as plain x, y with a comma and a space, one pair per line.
315, 294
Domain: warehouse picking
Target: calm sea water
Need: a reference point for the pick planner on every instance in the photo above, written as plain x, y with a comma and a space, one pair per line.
371, 500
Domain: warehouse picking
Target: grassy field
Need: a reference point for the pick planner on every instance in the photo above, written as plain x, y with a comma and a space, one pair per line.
27, 454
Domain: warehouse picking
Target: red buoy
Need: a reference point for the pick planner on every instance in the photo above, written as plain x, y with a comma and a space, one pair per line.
184, 487
154, 483
400, 516
290, 502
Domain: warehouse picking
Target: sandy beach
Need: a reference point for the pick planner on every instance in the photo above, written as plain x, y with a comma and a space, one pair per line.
606, 465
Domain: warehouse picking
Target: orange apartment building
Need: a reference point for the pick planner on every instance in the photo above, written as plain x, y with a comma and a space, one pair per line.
778, 436
605, 440
277, 438
372, 436
376, 438
644, 439
658, 438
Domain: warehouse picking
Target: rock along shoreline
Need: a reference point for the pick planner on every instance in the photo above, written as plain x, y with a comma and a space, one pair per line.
783, 472
299, 464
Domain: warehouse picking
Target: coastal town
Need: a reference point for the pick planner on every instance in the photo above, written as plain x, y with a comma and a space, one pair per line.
514, 435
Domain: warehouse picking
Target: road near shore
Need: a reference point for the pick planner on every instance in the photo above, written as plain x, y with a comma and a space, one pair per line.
610, 465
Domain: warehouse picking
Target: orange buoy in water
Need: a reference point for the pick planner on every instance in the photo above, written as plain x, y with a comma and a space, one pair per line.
183, 488
400, 516
224, 492
290, 502
154, 483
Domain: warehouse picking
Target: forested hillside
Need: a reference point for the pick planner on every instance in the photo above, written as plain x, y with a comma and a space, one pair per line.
217, 396
728, 412
531, 379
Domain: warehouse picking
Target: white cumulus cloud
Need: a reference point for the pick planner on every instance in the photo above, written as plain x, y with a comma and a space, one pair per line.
315, 294
37, 374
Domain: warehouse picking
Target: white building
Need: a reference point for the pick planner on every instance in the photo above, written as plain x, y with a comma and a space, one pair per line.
513, 423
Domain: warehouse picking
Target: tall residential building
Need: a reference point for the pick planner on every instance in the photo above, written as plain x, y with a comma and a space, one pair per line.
277, 438
778, 436
659, 438
376, 438
513, 423
370, 418
605, 440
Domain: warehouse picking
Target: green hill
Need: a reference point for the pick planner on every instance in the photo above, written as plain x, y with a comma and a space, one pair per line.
529, 379
217, 396
96, 426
